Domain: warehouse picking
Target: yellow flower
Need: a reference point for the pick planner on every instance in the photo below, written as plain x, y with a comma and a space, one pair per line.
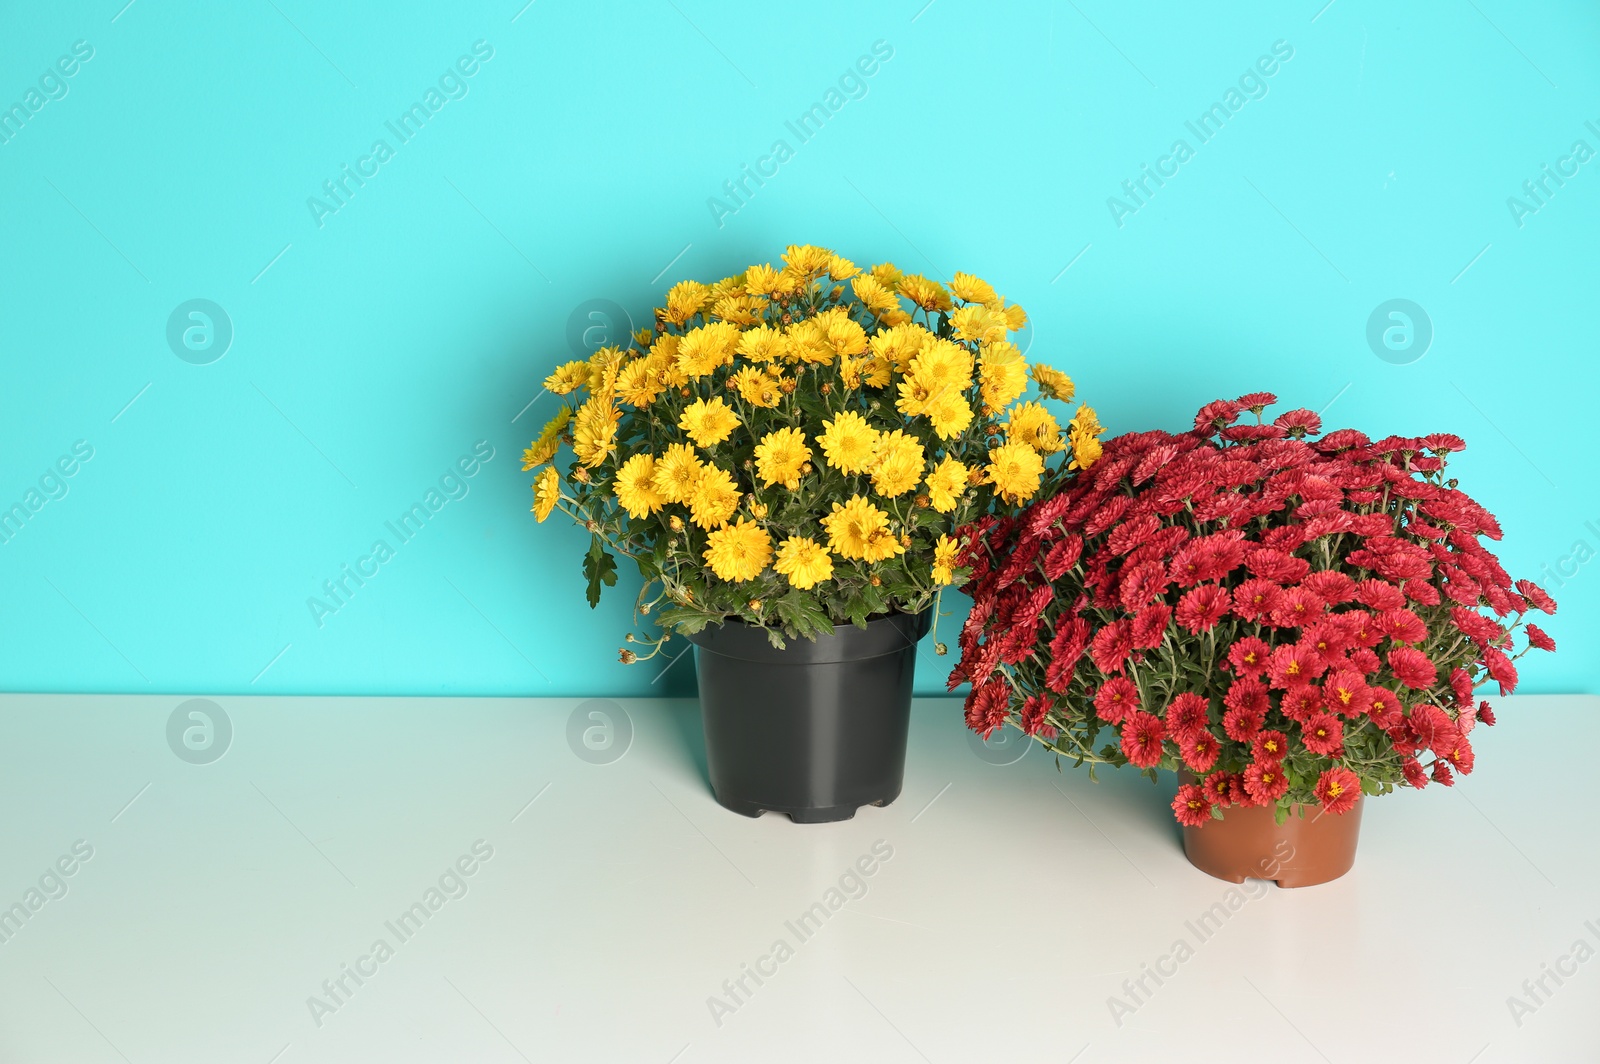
1086, 451
779, 456
676, 473
844, 336
755, 387
929, 295
841, 268
740, 310
943, 368
946, 483
708, 423
603, 366
595, 433
1032, 424
807, 341
949, 416
714, 499
860, 530
886, 274
544, 448
762, 344
896, 464
1015, 469
568, 377
944, 560
1086, 422
546, 490
874, 294
848, 442
639, 382
1084, 435
738, 552
805, 562
805, 260
635, 486
762, 280
970, 289
900, 344
977, 322
684, 301
1052, 382
706, 348
1016, 317
1003, 373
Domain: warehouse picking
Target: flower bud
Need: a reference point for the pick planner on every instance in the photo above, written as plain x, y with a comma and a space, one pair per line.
940, 649
627, 657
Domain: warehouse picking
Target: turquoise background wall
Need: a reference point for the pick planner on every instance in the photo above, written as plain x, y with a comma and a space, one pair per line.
172, 152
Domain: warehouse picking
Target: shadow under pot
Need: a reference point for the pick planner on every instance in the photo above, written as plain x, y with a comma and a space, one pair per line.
1310, 847
815, 730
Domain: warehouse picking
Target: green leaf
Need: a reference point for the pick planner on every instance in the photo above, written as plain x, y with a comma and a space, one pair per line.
599, 567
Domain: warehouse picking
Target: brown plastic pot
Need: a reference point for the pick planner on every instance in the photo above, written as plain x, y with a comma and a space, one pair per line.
1248, 843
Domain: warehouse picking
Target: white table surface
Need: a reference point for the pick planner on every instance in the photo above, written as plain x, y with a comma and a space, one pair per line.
1017, 901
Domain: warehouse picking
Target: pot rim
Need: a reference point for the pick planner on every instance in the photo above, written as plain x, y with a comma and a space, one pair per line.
884, 634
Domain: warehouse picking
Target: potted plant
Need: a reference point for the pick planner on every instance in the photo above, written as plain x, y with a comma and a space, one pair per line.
785, 456
1291, 622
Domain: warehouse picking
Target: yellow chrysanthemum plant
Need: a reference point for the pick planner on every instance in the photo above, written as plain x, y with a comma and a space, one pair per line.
794, 448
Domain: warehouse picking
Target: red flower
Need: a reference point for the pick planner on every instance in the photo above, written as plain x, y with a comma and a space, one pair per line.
1364, 661
1442, 775
1065, 649
1201, 609
988, 705
1256, 598
1062, 557
1116, 699
1215, 415
1034, 709
1331, 586
1536, 596
1384, 709
1421, 591
1255, 402
1412, 667
1188, 716
1242, 724
1293, 664
1538, 638
1200, 751
1150, 626
1142, 736
1299, 701
1459, 754
1265, 783
1413, 773
1486, 713
1322, 733
1346, 693
1402, 626
1501, 671
1111, 646
1299, 423
1269, 746
1379, 595
1249, 694
1298, 607
1328, 640
1248, 656
1191, 806
1224, 788
1337, 789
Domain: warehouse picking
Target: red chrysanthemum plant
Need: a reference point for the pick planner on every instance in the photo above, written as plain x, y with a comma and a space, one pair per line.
1293, 620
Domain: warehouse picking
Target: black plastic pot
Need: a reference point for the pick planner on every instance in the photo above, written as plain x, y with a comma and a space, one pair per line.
815, 730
